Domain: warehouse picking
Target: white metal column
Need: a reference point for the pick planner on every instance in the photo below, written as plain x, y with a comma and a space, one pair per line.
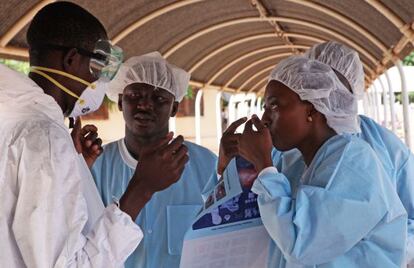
368, 100
392, 101
364, 105
172, 125
375, 96
232, 109
384, 101
252, 108
241, 107
259, 106
198, 116
218, 117
405, 105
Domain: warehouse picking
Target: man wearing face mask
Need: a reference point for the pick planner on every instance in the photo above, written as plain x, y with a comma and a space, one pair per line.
51, 214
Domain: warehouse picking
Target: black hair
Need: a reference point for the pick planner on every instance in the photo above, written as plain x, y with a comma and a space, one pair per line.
63, 24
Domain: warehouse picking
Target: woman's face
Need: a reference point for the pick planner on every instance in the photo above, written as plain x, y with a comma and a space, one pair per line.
286, 116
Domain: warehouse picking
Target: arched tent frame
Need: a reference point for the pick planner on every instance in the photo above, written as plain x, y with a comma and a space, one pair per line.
263, 12
231, 45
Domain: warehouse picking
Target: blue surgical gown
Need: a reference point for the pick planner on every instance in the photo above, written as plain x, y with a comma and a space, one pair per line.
396, 158
398, 161
341, 211
167, 216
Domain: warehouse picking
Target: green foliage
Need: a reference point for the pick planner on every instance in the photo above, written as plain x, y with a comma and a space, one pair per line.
190, 93
409, 60
20, 66
399, 99
112, 106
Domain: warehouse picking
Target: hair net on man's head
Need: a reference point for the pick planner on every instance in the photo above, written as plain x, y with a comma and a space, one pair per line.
151, 69
343, 60
318, 84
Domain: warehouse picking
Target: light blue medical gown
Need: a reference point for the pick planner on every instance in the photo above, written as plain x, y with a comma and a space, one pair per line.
396, 158
398, 161
167, 216
341, 211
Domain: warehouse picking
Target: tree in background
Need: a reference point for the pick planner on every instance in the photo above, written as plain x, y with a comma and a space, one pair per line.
20, 66
409, 60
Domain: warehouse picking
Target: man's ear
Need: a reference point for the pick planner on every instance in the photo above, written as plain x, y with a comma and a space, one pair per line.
70, 59
174, 108
120, 102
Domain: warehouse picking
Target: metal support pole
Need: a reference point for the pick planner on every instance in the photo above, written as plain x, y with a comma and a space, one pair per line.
232, 109
172, 124
252, 107
218, 117
367, 109
198, 116
392, 101
384, 102
376, 104
372, 104
259, 106
364, 105
405, 105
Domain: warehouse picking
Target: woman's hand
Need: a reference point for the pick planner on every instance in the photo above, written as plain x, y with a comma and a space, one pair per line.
229, 145
256, 146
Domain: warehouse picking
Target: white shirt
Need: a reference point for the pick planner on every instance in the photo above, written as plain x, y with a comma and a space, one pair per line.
50, 212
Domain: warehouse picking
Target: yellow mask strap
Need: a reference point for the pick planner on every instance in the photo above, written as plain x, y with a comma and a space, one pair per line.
80, 80
38, 71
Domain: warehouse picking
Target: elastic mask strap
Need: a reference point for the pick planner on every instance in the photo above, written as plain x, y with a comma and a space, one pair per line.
40, 71
80, 80
59, 85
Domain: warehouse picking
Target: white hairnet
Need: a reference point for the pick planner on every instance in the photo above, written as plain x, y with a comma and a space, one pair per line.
343, 60
317, 83
151, 69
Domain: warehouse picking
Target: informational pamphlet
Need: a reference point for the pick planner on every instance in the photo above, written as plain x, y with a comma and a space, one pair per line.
228, 232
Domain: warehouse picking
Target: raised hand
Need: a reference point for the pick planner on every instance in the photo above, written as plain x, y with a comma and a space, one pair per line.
86, 141
229, 145
256, 146
160, 164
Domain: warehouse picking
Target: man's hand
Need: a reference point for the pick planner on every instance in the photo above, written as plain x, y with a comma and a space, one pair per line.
256, 146
160, 164
229, 145
86, 142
